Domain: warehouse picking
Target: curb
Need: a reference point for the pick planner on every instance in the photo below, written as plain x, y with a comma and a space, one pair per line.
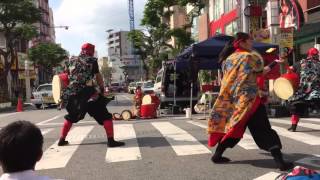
13, 108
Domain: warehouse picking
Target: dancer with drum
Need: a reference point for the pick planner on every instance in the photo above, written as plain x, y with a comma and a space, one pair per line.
82, 96
308, 92
239, 103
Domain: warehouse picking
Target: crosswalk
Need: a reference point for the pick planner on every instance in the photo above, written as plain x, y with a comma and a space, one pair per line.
180, 141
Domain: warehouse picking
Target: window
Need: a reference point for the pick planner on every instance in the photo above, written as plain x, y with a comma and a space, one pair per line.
229, 5
231, 28
45, 88
217, 9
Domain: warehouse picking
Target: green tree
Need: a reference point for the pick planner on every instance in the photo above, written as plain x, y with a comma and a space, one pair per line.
106, 73
48, 55
152, 44
16, 19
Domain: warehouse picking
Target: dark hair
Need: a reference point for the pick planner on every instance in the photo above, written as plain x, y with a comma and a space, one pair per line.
20, 146
229, 47
138, 87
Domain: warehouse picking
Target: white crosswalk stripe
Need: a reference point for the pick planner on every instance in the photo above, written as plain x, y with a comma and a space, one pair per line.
298, 136
128, 152
268, 176
246, 142
58, 157
181, 141
46, 131
302, 124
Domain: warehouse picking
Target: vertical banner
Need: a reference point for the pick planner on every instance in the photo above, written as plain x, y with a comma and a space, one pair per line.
286, 44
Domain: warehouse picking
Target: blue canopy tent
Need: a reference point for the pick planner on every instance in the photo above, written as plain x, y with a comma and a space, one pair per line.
204, 55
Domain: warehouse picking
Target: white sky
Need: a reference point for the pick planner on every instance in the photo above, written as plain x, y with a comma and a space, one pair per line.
89, 19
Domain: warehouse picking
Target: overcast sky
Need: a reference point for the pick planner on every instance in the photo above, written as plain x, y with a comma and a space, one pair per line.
89, 19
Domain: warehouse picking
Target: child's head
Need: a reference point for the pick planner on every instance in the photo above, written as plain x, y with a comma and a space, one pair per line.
20, 146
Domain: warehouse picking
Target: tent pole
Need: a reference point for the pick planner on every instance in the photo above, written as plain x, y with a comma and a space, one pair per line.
174, 85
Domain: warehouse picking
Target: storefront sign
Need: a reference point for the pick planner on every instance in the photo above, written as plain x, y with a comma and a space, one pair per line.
32, 74
286, 38
261, 35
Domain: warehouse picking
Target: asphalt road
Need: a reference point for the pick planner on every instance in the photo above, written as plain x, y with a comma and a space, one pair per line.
169, 147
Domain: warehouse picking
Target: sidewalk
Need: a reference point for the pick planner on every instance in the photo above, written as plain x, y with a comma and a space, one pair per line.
26, 106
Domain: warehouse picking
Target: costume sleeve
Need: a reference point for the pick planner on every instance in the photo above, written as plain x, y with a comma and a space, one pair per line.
95, 67
251, 65
297, 67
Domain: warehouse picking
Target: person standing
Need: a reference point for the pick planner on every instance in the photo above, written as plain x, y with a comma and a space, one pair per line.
82, 95
240, 103
138, 101
308, 93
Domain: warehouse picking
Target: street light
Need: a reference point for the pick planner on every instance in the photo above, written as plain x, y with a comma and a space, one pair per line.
65, 27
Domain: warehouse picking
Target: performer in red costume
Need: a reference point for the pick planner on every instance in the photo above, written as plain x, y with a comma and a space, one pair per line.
82, 95
138, 101
308, 93
240, 103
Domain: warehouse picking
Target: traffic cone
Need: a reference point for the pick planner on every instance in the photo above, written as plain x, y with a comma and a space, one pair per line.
19, 105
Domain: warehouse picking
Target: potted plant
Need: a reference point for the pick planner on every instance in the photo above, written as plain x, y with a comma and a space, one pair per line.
205, 78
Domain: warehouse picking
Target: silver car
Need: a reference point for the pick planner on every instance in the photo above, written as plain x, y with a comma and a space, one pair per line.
42, 96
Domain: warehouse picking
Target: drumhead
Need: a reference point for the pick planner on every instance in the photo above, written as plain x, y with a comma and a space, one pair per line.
283, 88
56, 89
126, 115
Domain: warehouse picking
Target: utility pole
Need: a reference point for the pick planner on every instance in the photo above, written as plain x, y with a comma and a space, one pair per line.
27, 79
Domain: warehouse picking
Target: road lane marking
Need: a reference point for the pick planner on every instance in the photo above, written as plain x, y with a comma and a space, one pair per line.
130, 99
246, 142
181, 141
298, 136
58, 156
129, 152
302, 124
317, 120
310, 161
46, 131
268, 176
81, 122
9, 114
48, 120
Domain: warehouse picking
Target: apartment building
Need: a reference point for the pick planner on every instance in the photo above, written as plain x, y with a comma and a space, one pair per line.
125, 65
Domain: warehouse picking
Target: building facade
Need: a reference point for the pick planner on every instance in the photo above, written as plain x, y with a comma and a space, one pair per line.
125, 65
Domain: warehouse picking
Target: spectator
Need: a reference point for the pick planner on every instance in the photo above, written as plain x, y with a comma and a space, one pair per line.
20, 149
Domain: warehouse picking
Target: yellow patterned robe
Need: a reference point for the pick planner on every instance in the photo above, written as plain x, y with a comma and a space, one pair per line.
237, 94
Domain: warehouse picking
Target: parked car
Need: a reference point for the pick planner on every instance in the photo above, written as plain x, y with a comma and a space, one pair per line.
42, 96
115, 87
132, 87
166, 88
147, 87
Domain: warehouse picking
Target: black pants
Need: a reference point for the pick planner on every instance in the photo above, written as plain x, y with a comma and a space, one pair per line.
264, 136
78, 106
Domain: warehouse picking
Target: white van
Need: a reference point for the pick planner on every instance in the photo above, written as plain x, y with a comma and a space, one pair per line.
164, 87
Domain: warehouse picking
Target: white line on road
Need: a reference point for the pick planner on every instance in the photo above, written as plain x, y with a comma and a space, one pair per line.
130, 151
268, 176
298, 136
58, 156
48, 120
310, 161
81, 122
246, 142
126, 97
46, 131
317, 120
8, 114
302, 124
181, 141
